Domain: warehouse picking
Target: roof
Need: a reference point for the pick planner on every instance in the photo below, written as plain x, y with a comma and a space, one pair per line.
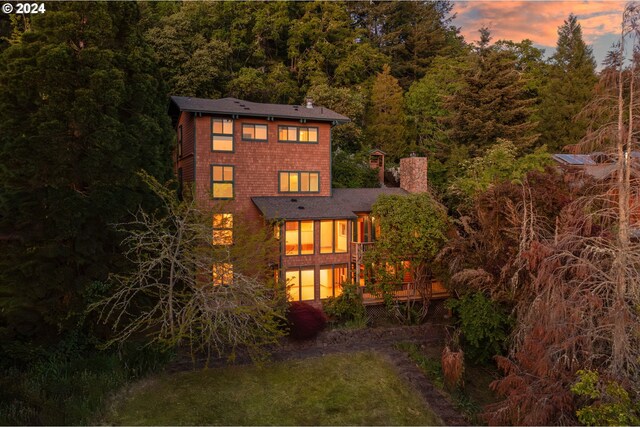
344, 203
256, 109
574, 159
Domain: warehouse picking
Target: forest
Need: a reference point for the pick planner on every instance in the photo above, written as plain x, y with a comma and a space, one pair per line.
84, 92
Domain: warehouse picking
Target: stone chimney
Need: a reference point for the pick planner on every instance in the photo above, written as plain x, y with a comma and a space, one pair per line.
309, 102
413, 174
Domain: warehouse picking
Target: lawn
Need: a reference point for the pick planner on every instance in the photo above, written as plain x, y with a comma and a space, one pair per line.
353, 389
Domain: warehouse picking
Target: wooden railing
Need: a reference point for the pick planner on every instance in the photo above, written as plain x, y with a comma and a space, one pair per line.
408, 291
358, 249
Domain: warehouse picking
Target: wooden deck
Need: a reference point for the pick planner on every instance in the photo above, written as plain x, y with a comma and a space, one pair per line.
408, 293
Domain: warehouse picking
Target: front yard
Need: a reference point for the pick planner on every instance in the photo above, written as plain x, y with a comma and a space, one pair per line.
339, 389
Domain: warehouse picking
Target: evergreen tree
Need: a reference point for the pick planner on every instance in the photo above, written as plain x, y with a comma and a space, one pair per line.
572, 78
386, 120
492, 104
81, 109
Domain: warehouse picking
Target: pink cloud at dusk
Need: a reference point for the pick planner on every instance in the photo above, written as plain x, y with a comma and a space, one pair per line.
539, 20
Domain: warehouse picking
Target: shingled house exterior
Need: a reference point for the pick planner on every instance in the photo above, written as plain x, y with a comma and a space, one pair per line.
272, 163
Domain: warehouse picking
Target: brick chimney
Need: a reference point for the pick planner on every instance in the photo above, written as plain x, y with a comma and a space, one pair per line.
413, 174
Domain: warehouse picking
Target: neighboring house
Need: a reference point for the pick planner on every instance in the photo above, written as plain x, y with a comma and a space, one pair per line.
272, 163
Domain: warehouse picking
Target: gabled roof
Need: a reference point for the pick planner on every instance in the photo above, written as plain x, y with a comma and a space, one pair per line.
239, 107
344, 204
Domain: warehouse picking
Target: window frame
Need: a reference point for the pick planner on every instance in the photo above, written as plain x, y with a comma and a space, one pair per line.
227, 268
297, 140
299, 173
224, 227
299, 270
334, 230
313, 234
232, 182
214, 134
333, 268
254, 128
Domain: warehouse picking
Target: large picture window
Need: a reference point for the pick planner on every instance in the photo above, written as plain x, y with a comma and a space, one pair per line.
299, 182
221, 134
301, 284
222, 229
333, 236
253, 132
298, 134
222, 181
298, 236
331, 280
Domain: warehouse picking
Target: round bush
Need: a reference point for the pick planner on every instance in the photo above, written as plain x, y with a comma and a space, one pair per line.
305, 320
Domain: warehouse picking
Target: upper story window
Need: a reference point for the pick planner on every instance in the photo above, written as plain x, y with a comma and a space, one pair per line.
179, 141
298, 236
222, 181
221, 134
254, 132
222, 229
333, 236
299, 182
300, 134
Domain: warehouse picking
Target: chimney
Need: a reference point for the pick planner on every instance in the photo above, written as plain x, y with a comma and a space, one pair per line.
413, 174
309, 103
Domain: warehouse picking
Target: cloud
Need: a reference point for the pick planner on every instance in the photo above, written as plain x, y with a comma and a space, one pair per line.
537, 20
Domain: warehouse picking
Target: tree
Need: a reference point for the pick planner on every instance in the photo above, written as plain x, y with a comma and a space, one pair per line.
82, 107
169, 298
352, 171
386, 122
413, 229
572, 79
492, 103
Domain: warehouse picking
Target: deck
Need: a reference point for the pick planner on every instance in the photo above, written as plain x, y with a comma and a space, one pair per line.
406, 292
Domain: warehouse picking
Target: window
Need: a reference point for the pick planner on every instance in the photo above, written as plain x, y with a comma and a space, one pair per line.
305, 135
251, 132
222, 229
222, 273
301, 284
180, 141
298, 236
331, 280
299, 182
222, 181
221, 134
333, 236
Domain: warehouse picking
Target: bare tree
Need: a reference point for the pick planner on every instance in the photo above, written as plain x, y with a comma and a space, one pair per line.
185, 290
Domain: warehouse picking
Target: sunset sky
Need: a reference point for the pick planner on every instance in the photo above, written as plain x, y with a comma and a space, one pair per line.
539, 21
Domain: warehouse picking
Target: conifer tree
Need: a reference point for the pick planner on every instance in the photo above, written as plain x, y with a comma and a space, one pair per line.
492, 103
572, 78
81, 110
386, 125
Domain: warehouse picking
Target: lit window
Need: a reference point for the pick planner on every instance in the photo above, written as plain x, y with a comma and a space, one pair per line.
298, 238
331, 280
299, 182
222, 134
333, 236
222, 229
222, 273
301, 284
251, 132
304, 135
222, 182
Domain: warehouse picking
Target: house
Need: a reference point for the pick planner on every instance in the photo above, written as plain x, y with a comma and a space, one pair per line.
272, 163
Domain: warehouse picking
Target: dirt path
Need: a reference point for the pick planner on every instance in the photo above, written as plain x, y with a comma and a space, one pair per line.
380, 340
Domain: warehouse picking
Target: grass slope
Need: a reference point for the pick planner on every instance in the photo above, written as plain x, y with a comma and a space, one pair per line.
353, 389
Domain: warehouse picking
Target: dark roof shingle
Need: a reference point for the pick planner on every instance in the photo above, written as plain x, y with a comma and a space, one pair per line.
256, 109
344, 203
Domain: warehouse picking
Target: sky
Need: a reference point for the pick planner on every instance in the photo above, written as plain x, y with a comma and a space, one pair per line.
539, 21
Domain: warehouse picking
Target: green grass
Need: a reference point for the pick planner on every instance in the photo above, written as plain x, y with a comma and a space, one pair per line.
353, 389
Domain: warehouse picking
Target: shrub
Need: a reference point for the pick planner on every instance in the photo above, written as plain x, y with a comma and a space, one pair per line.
484, 325
453, 367
305, 320
347, 307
